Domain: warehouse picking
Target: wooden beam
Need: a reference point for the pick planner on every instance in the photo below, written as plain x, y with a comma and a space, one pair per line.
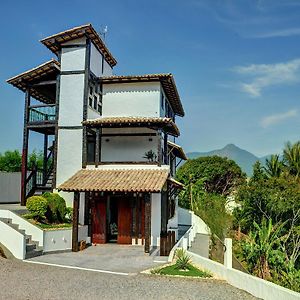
45, 159
97, 146
147, 222
75, 247
25, 148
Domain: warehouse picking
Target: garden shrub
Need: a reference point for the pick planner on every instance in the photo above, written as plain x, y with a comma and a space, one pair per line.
56, 207
37, 206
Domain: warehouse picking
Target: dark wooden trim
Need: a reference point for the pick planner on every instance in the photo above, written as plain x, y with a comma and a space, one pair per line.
45, 159
147, 200
165, 153
159, 152
44, 124
85, 100
41, 105
97, 146
70, 127
127, 134
125, 163
46, 82
75, 72
134, 227
73, 46
25, 148
75, 221
56, 129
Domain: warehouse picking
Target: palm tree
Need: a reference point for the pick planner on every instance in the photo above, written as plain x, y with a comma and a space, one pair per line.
261, 245
291, 157
274, 166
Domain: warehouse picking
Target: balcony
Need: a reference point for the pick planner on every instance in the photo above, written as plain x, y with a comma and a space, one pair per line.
42, 118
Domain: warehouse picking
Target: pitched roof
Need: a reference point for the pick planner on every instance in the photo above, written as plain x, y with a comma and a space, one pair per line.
54, 42
112, 122
116, 180
177, 150
47, 70
167, 81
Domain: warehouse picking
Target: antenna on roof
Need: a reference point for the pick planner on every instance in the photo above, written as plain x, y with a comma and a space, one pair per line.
103, 31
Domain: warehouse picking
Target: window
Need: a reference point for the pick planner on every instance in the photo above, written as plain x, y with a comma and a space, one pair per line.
91, 148
95, 96
95, 102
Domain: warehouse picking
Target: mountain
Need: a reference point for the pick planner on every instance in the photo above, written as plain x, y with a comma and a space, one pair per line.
243, 158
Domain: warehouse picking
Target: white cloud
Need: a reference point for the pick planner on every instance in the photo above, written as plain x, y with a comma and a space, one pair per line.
278, 33
277, 118
266, 75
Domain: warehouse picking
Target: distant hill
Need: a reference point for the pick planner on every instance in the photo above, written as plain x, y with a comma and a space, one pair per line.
243, 158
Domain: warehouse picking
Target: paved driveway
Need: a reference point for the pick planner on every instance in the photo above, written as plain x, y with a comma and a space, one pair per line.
106, 257
19, 280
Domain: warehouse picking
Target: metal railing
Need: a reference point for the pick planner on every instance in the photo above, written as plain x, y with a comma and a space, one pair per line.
42, 113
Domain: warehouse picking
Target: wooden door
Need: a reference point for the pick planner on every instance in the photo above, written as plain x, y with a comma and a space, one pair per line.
124, 220
99, 221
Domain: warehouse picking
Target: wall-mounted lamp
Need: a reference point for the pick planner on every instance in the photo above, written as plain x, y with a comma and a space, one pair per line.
150, 139
107, 140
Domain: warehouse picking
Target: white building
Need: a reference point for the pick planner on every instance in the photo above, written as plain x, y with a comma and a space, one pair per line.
114, 154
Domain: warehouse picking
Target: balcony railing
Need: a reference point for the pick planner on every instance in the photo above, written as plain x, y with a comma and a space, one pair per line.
42, 113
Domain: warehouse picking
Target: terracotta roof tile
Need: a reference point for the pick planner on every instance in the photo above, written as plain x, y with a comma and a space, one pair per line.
46, 70
116, 180
177, 150
165, 123
54, 42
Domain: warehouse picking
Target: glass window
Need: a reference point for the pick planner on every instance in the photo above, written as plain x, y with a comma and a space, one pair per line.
91, 148
90, 102
95, 102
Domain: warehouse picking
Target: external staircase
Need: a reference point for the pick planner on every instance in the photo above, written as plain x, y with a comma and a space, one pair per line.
32, 247
200, 245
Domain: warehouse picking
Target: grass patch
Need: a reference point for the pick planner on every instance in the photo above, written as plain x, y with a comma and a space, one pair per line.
190, 271
45, 225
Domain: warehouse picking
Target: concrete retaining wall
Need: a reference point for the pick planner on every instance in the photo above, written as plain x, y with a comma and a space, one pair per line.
61, 239
10, 187
256, 286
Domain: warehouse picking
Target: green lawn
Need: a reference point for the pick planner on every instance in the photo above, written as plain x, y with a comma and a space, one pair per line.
172, 270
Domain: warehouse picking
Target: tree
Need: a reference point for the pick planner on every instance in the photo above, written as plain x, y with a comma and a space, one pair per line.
274, 167
11, 161
216, 175
262, 248
291, 158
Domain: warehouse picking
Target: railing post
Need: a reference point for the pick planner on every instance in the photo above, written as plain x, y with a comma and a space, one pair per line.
45, 162
228, 253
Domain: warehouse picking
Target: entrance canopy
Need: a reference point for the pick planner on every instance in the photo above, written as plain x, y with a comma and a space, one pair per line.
116, 180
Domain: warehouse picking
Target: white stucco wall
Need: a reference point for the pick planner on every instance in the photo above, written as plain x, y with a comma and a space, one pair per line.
69, 156
155, 218
107, 69
73, 59
131, 99
127, 148
92, 114
96, 61
71, 100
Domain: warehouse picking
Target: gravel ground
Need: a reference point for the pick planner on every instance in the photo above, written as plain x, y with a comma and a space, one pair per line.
19, 280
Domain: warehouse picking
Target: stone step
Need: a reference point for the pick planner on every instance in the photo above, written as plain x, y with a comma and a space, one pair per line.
33, 253
30, 247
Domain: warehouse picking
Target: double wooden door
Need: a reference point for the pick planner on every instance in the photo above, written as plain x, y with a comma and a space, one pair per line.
102, 225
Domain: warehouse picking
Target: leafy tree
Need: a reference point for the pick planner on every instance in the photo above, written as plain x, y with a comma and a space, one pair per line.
291, 157
262, 248
217, 175
274, 167
258, 172
10, 161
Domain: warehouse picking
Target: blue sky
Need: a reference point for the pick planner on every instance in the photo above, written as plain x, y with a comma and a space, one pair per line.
236, 63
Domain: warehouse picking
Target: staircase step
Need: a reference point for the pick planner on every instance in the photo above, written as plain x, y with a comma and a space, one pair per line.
30, 247
33, 253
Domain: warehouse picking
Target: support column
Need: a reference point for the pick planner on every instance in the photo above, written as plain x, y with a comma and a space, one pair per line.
75, 222
25, 148
45, 159
97, 156
147, 222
